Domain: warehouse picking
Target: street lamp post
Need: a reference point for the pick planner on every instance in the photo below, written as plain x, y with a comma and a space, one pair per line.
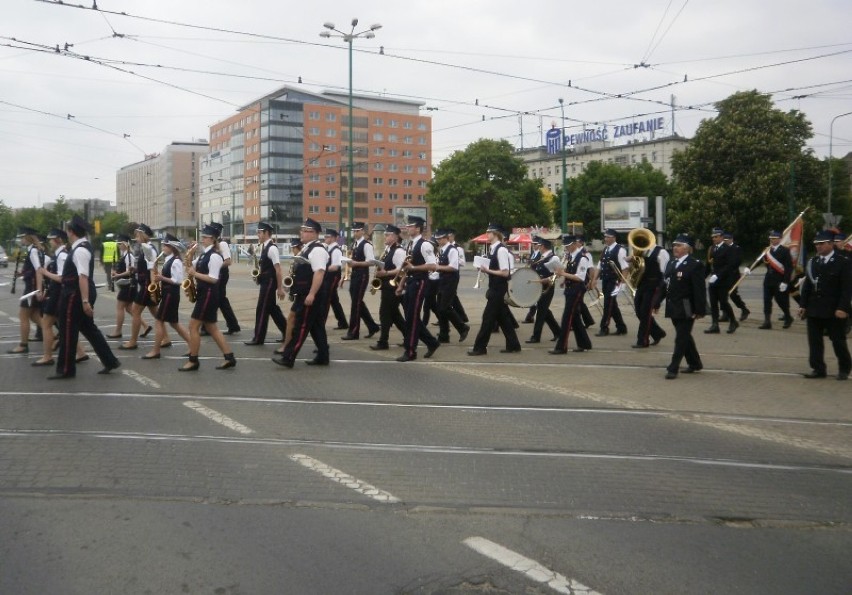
348, 38
564, 173
830, 147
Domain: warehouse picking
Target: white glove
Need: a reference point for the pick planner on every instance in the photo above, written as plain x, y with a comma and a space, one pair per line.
713, 279
782, 287
747, 272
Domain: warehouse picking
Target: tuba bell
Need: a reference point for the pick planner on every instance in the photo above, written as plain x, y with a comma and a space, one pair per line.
641, 241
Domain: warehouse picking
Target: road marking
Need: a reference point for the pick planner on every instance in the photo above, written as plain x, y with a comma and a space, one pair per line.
527, 566
15, 319
218, 417
345, 479
3, 313
143, 380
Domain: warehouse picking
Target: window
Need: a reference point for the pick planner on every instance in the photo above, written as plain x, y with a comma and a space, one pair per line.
407, 183
378, 166
407, 125
422, 169
331, 209
330, 194
331, 162
422, 183
314, 209
421, 140
393, 182
393, 167
407, 197
421, 126
379, 151
393, 196
313, 193
378, 181
393, 153
408, 140
378, 196
408, 168
421, 155
315, 178
407, 153
378, 136
331, 132
331, 178
393, 138
314, 116
378, 211
378, 122
393, 124
314, 130
654, 156
331, 117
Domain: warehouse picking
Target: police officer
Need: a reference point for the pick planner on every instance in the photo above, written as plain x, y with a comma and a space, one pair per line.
776, 282
447, 291
826, 294
685, 302
422, 262
543, 315
309, 303
271, 280
613, 257
76, 314
574, 279
332, 277
362, 257
109, 257
390, 301
723, 274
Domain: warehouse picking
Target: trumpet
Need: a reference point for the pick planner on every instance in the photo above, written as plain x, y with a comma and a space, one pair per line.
155, 289
400, 274
347, 268
375, 285
478, 279
188, 284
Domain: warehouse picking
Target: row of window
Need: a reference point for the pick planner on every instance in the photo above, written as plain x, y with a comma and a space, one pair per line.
620, 160
406, 124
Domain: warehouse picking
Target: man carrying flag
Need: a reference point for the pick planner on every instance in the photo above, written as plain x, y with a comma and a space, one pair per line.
776, 282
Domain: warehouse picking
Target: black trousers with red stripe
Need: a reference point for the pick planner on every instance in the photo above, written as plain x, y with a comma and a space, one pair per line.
267, 307
415, 330
359, 311
73, 321
572, 319
310, 320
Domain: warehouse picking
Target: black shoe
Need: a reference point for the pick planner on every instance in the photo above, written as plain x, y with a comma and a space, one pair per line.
723, 318
372, 332
788, 322
147, 330
380, 347
38, 335
192, 368
602, 333
118, 336
124, 347
579, 350
283, 362
533, 340
529, 320
476, 352
557, 351
766, 325
463, 334
252, 342
620, 331
512, 350
732, 328
713, 330
203, 332
342, 327
671, 375
443, 339
230, 362
20, 349
691, 370
744, 314
639, 346
60, 377
108, 369
316, 362
406, 358
843, 375
814, 374
155, 356
349, 338
432, 351
49, 362
232, 331
658, 339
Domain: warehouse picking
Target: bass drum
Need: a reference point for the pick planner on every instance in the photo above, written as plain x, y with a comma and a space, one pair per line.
524, 288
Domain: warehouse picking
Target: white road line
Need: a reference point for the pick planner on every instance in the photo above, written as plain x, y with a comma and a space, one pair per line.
3, 313
218, 417
345, 479
15, 319
526, 566
143, 380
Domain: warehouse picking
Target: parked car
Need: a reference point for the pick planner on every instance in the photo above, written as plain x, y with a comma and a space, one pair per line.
4, 260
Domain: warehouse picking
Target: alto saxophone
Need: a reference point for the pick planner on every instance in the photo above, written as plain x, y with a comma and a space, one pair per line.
255, 271
188, 284
155, 289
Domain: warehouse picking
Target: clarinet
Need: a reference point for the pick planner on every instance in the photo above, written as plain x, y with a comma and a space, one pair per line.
15, 274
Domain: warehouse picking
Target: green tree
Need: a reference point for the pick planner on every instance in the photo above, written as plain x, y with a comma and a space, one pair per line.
7, 224
748, 171
485, 183
601, 180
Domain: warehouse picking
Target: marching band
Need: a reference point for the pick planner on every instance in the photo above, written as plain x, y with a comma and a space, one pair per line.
59, 291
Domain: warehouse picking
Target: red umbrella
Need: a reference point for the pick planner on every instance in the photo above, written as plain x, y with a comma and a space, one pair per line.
481, 239
520, 238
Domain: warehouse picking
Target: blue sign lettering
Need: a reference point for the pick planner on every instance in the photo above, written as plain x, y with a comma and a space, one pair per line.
590, 135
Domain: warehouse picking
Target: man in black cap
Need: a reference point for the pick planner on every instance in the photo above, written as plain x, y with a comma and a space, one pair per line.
723, 274
29, 310
685, 302
574, 280
591, 281
414, 284
270, 279
535, 256
309, 299
613, 261
361, 261
146, 258
776, 282
826, 295
76, 314
734, 294
543, 315
650, 292
332, 277
457, 305
448, 283
224, 275
496, 310
389, 312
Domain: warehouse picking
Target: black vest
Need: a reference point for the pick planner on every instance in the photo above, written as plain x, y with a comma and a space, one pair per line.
444, 260
652, 276
358, 255
501, 284
338, 272
143, 275
203, 266
417, 260
540, 269
303, 274
28, 270
71, 277
607, 272
267, 268
167, 273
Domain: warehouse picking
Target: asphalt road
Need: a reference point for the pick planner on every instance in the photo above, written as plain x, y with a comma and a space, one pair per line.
512, 473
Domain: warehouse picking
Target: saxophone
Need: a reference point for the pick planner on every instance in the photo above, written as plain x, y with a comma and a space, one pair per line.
188, 284
255, 271
155, 288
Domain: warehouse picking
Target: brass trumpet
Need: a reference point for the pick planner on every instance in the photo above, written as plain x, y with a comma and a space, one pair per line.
400, 274
642, 241
375, 285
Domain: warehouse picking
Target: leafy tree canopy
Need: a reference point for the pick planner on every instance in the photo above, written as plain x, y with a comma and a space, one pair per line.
485, 183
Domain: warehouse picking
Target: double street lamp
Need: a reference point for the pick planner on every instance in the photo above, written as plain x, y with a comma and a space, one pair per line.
349, 38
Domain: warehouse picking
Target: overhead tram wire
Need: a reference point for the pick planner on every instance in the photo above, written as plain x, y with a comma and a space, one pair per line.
663, 36
654, 36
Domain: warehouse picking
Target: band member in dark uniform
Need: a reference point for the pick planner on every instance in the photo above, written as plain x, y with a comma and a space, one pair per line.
76, 314
170, 278
457, 305
574, 275
776, 282
389, 306
613, 257
686, 301
332, 277
649, 294
146, 255
271, 285
543, 315
826, 294
224, 275
49, 285
29, 309
362, 255
124, 277
448, 284
413, 286
723, 274
496, 310
734, 296
591, 281
535, 255
310, 300
205, 271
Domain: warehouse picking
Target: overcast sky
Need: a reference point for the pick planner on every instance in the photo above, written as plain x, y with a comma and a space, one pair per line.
468, 59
